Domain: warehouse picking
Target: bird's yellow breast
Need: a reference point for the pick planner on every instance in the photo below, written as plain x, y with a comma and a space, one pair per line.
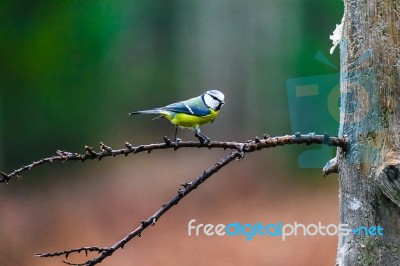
191, 121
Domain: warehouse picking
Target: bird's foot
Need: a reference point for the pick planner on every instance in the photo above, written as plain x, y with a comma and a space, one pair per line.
176, 143
202, 138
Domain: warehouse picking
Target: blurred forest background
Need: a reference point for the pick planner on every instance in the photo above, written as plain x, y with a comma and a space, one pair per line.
71, 71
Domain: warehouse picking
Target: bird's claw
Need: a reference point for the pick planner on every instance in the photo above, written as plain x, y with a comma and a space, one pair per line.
176, 143
203, 139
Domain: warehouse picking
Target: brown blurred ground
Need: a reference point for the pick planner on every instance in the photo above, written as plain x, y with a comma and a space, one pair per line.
98, 203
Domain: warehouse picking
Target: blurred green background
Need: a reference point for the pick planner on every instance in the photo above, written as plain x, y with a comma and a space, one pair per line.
71, 72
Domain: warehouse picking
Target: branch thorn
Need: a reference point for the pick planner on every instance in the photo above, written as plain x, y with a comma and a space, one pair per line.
105, 148
167, 141
5, 177
90, 151
184, 185
128, 146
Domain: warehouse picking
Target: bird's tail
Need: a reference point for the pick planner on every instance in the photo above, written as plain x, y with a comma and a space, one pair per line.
148, 112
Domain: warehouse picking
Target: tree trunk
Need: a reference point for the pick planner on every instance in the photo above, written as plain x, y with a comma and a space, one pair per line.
370, 114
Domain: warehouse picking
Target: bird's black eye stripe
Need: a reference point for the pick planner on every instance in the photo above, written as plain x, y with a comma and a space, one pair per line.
215, 98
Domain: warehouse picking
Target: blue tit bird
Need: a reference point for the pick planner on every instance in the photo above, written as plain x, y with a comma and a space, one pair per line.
191, 113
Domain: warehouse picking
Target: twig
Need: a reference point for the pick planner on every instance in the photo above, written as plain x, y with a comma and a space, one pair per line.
249, 146
239, 150
182, 192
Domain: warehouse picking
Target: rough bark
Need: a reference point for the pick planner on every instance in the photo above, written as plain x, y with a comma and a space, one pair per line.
370, 115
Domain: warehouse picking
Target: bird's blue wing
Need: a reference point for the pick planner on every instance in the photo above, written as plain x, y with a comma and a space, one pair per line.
194, 106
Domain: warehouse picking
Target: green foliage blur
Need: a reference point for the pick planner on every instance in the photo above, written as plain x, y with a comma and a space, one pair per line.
71, 71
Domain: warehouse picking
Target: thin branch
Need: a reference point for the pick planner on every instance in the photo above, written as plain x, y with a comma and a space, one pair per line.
249, 146
66, 253
239, 150
182, 192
